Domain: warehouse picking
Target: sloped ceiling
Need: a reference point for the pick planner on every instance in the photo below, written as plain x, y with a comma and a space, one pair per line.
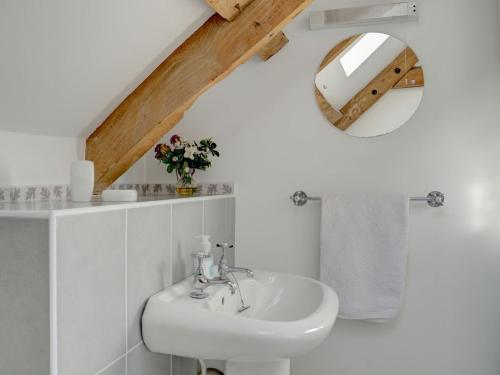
66, 64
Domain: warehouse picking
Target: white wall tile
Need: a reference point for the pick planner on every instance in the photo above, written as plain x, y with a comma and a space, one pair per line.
117, 368
231, 219
184, 366
230, 206
141, 361
219, 223
215, 220
186, 224
148, 261
24, 296
91, 291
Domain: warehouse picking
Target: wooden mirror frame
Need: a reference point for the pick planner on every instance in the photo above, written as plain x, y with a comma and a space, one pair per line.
399, 74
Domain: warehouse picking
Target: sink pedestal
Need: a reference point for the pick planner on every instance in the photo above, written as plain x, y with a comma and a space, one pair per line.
274, 367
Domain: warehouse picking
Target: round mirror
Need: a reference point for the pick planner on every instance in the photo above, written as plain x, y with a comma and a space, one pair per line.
369, 84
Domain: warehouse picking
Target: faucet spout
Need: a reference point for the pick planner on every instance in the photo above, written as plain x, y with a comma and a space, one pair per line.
229, 283
248, 271
225, 268
201, 283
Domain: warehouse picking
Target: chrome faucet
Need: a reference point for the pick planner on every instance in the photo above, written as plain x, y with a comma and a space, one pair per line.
201, 282
225, 269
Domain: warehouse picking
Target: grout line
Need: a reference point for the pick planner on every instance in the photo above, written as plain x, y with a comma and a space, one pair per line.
125, 355
135, 346
171, 281
111, 364
226, 222
203, 218
126, 292
233, 229
53, 295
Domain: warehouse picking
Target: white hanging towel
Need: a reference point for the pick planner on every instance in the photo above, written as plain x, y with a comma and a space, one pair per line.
363, 253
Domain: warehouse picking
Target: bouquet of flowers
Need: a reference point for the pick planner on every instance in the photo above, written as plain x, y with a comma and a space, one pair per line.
184, 157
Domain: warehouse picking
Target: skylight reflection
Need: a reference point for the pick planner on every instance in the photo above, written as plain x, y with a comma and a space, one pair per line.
361, 51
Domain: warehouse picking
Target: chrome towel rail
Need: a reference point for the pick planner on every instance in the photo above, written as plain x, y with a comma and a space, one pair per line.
433, 199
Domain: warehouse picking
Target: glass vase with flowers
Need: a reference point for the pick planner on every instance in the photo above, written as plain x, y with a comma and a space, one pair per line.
185, 157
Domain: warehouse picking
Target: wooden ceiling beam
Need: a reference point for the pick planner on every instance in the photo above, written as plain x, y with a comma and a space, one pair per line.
229, 9
377, 88
414, 78
273, 46
331, 113
158, 104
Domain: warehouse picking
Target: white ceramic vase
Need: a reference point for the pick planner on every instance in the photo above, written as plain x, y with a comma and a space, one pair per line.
82, 180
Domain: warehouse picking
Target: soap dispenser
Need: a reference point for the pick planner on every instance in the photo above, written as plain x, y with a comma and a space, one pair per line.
205, 248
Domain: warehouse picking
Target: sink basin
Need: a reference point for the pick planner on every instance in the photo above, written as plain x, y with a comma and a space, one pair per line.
288, 316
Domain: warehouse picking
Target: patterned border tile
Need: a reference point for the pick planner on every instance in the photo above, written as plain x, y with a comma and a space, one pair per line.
63, 192
34, 193
148, 190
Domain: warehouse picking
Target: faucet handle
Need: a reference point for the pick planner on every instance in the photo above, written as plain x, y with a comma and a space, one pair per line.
225, 245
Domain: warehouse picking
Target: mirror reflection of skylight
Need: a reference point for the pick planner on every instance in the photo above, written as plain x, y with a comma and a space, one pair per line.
361, 51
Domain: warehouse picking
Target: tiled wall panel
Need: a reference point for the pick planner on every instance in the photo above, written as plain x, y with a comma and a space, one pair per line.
91, 291
219, 223
187, 223
141, 361
149, 267
24, 296
112, 262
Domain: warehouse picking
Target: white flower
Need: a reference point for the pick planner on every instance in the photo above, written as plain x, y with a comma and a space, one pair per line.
175, 158
189, 152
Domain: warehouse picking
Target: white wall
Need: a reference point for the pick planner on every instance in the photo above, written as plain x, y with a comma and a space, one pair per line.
274, 140
37, 160
67, 64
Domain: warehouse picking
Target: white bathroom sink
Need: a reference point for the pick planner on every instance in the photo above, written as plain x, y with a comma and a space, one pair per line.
288, 316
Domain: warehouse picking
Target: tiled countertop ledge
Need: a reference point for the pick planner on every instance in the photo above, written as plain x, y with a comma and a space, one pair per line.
44, 209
